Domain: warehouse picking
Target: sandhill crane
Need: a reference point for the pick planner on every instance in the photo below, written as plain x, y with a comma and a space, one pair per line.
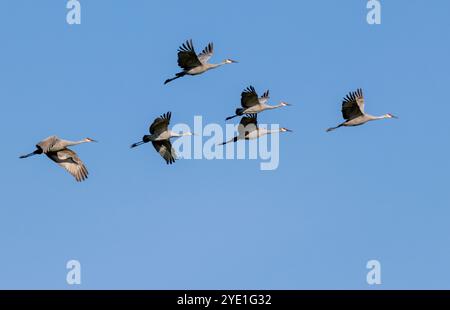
353, 111
252, 104
160, 136
248, 129
193, 64
56, 149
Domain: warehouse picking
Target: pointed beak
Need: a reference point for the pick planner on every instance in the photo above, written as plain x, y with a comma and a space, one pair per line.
234, 61
92, 140
287, 104
288, 130
393, 116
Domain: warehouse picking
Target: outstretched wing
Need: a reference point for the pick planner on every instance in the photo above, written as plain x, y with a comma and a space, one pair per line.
353, 105
47, 144
164, 148
161, 123
247, 124
249, 97
187, 58
264, 98
206, 54
70, 161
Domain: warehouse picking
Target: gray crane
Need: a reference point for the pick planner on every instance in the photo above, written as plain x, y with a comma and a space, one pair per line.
353, 111
57, 150
248, 129
252, 104
193, 64
160, 136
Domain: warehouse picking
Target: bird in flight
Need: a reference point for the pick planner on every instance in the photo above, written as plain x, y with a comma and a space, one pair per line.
252, 104
248, 129
193, 64
57, 150
353, 111
160, 136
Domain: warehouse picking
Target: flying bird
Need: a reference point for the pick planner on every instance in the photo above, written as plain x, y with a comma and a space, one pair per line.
57, 150
353, 111
248, 129
160, 136
252, 104
193, 64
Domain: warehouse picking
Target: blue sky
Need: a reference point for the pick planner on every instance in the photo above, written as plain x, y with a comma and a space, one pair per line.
336, 201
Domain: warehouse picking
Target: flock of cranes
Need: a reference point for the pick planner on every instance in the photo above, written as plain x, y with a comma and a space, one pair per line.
192, 64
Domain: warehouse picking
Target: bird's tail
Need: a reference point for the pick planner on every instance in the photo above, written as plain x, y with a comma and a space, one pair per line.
177, 76
31, 154
238, 112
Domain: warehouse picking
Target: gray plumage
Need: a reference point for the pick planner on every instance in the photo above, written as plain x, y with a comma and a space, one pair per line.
248, 129
57, 150
160, 136
251, 103
70, 161
353, 111
193, 64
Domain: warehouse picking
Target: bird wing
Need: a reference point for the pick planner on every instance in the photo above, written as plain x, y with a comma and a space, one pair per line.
206, 54
249, 97
161, 123
70, 161
165, 149
47, 144
264, 98
353, 105
247, 124
360, 99
187, 58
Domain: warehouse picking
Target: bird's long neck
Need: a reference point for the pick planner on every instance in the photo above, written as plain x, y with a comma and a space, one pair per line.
265, 131
270, 131
180, 134
214, 66
70, 143
373, 118
270, 107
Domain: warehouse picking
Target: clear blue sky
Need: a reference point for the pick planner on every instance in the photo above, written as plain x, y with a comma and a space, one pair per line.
337, 200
